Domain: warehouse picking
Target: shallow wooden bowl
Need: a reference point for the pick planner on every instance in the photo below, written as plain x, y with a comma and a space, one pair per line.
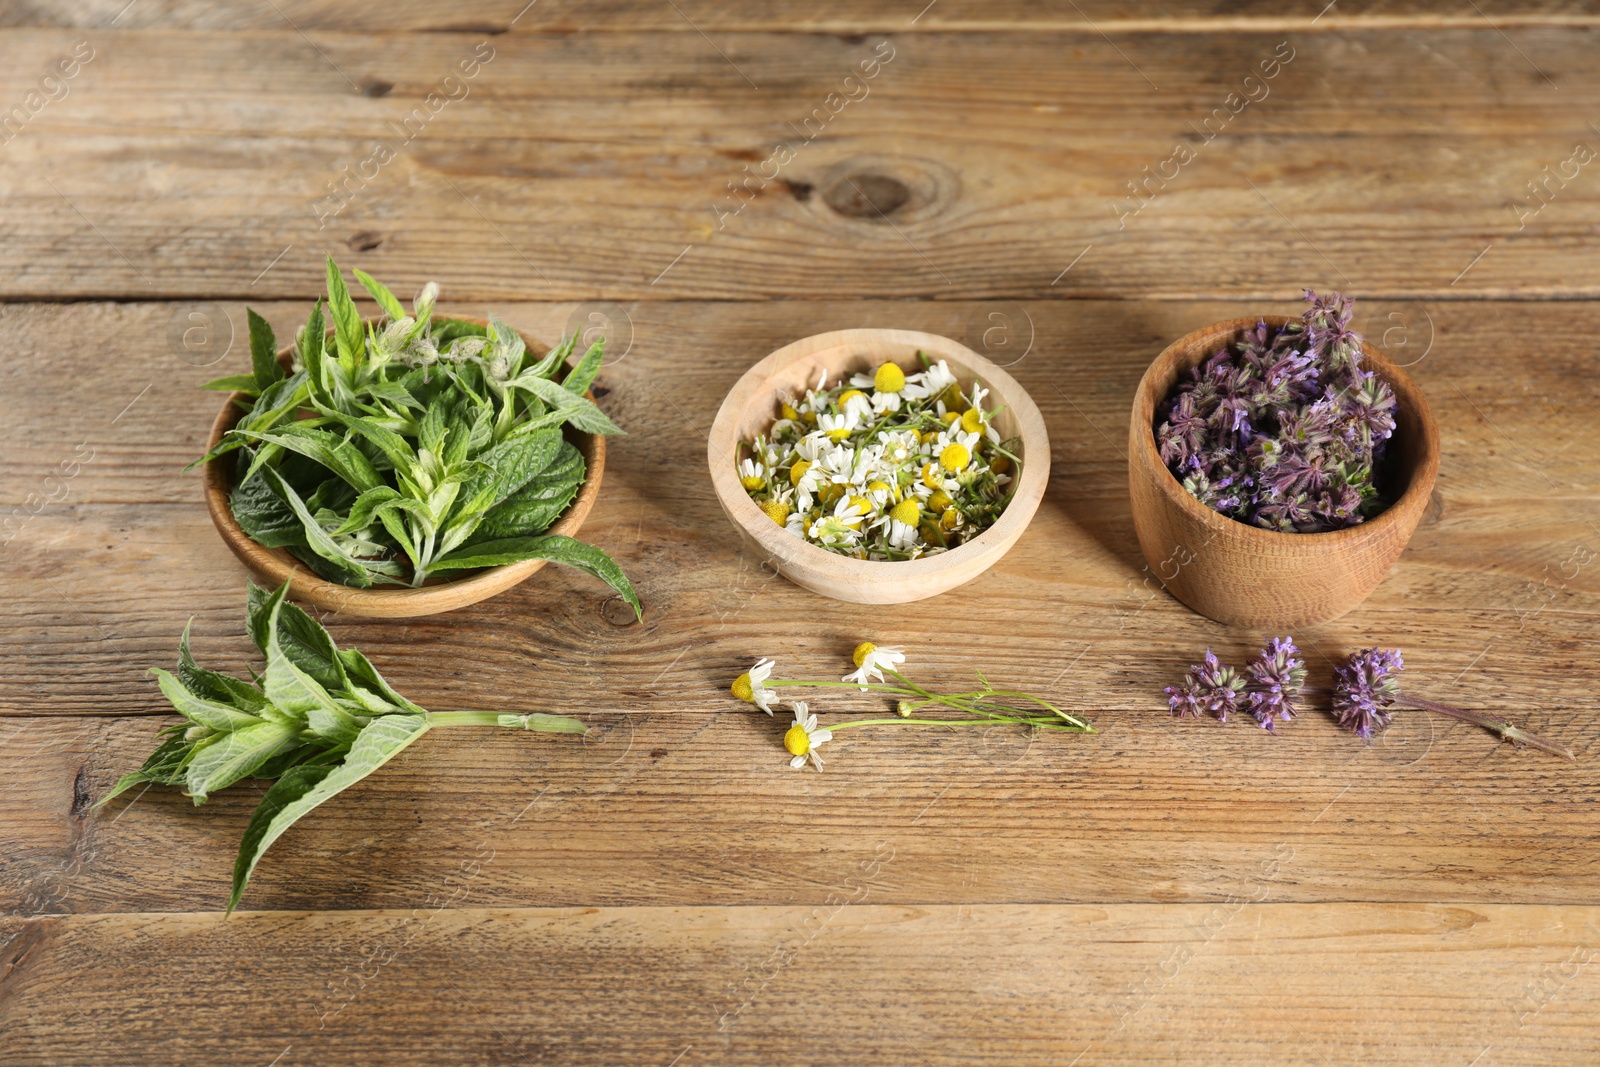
274, 566
752, 406
1246, 576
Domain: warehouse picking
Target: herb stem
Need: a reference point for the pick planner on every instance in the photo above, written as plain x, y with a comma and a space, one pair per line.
1488, 722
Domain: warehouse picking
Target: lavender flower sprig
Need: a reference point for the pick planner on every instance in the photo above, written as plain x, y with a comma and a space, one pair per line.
1283, 430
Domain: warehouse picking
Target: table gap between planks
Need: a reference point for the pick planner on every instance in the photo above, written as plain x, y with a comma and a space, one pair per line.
668, 892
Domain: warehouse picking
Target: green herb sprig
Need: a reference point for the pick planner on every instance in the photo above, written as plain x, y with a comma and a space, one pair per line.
318, 720
411, 446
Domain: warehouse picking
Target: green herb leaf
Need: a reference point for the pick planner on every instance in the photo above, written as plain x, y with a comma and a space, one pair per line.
577, 410
212, 685
301, 789
553, 547
223, 718
263, 351
583, 375
318, 540
381, 294
223, 759
235, 383
332, 451
348, 332
536, 506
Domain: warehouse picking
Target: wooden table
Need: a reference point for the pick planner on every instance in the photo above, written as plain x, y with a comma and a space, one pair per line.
670, 892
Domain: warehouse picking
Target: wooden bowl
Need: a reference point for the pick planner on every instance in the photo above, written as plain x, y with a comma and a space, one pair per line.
752, 406
1246, 576
274, 566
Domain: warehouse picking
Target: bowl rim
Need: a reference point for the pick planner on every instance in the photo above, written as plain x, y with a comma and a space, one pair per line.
1418, 489
788, 549
278, 566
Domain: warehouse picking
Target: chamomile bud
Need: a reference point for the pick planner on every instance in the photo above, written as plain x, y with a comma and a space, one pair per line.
889, 379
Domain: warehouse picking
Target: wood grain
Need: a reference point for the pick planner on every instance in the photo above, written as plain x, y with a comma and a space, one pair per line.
1239, 982
1157, 893
599, 166
836, 16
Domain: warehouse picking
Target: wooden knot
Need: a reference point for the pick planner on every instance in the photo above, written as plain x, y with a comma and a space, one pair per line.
869, 196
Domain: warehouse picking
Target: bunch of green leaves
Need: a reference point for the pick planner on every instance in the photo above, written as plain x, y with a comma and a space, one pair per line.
317, 720
412, 445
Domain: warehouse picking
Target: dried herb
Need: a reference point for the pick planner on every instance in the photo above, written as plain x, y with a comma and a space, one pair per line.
317, 720
1282, 430
884, 466
433, 445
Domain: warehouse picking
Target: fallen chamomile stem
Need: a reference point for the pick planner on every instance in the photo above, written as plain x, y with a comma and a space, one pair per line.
980, 706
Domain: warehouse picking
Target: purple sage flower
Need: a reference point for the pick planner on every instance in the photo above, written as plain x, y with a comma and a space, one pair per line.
1364, 688
1276, 677
1209, 686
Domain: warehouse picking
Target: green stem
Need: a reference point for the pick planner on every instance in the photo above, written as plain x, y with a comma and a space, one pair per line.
539, 722
1045, 724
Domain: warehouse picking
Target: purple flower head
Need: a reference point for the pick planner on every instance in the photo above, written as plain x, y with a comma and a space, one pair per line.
1208, 686
1186, 698
1276, 677
1364, 688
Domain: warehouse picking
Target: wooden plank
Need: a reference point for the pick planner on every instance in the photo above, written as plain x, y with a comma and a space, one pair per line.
1384, 161
1233, 983
692, 802
838, 16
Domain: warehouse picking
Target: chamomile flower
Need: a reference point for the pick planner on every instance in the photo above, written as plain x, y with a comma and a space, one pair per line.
836, 427
929, 383
803, 737
871, 661
750, 686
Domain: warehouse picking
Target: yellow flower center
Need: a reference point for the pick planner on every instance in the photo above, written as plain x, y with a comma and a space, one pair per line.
1000, 464
877, 487
849, 394
955, 457
863, 508
788, 411
838, 435
939, 500
889, 379
797, 741
953, 399
950, 417
928, 437
907, 512
798, 471
972, 421
863, 650
950, 518
753, 482
742, 688
777, 511
930, 476
830, 493
809, 418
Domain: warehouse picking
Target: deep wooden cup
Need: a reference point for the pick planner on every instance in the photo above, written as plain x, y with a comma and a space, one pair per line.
752, 406
1243, 575
274, 566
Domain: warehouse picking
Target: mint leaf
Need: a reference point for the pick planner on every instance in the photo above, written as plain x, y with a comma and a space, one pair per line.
301, 789
553, 547
263, 351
